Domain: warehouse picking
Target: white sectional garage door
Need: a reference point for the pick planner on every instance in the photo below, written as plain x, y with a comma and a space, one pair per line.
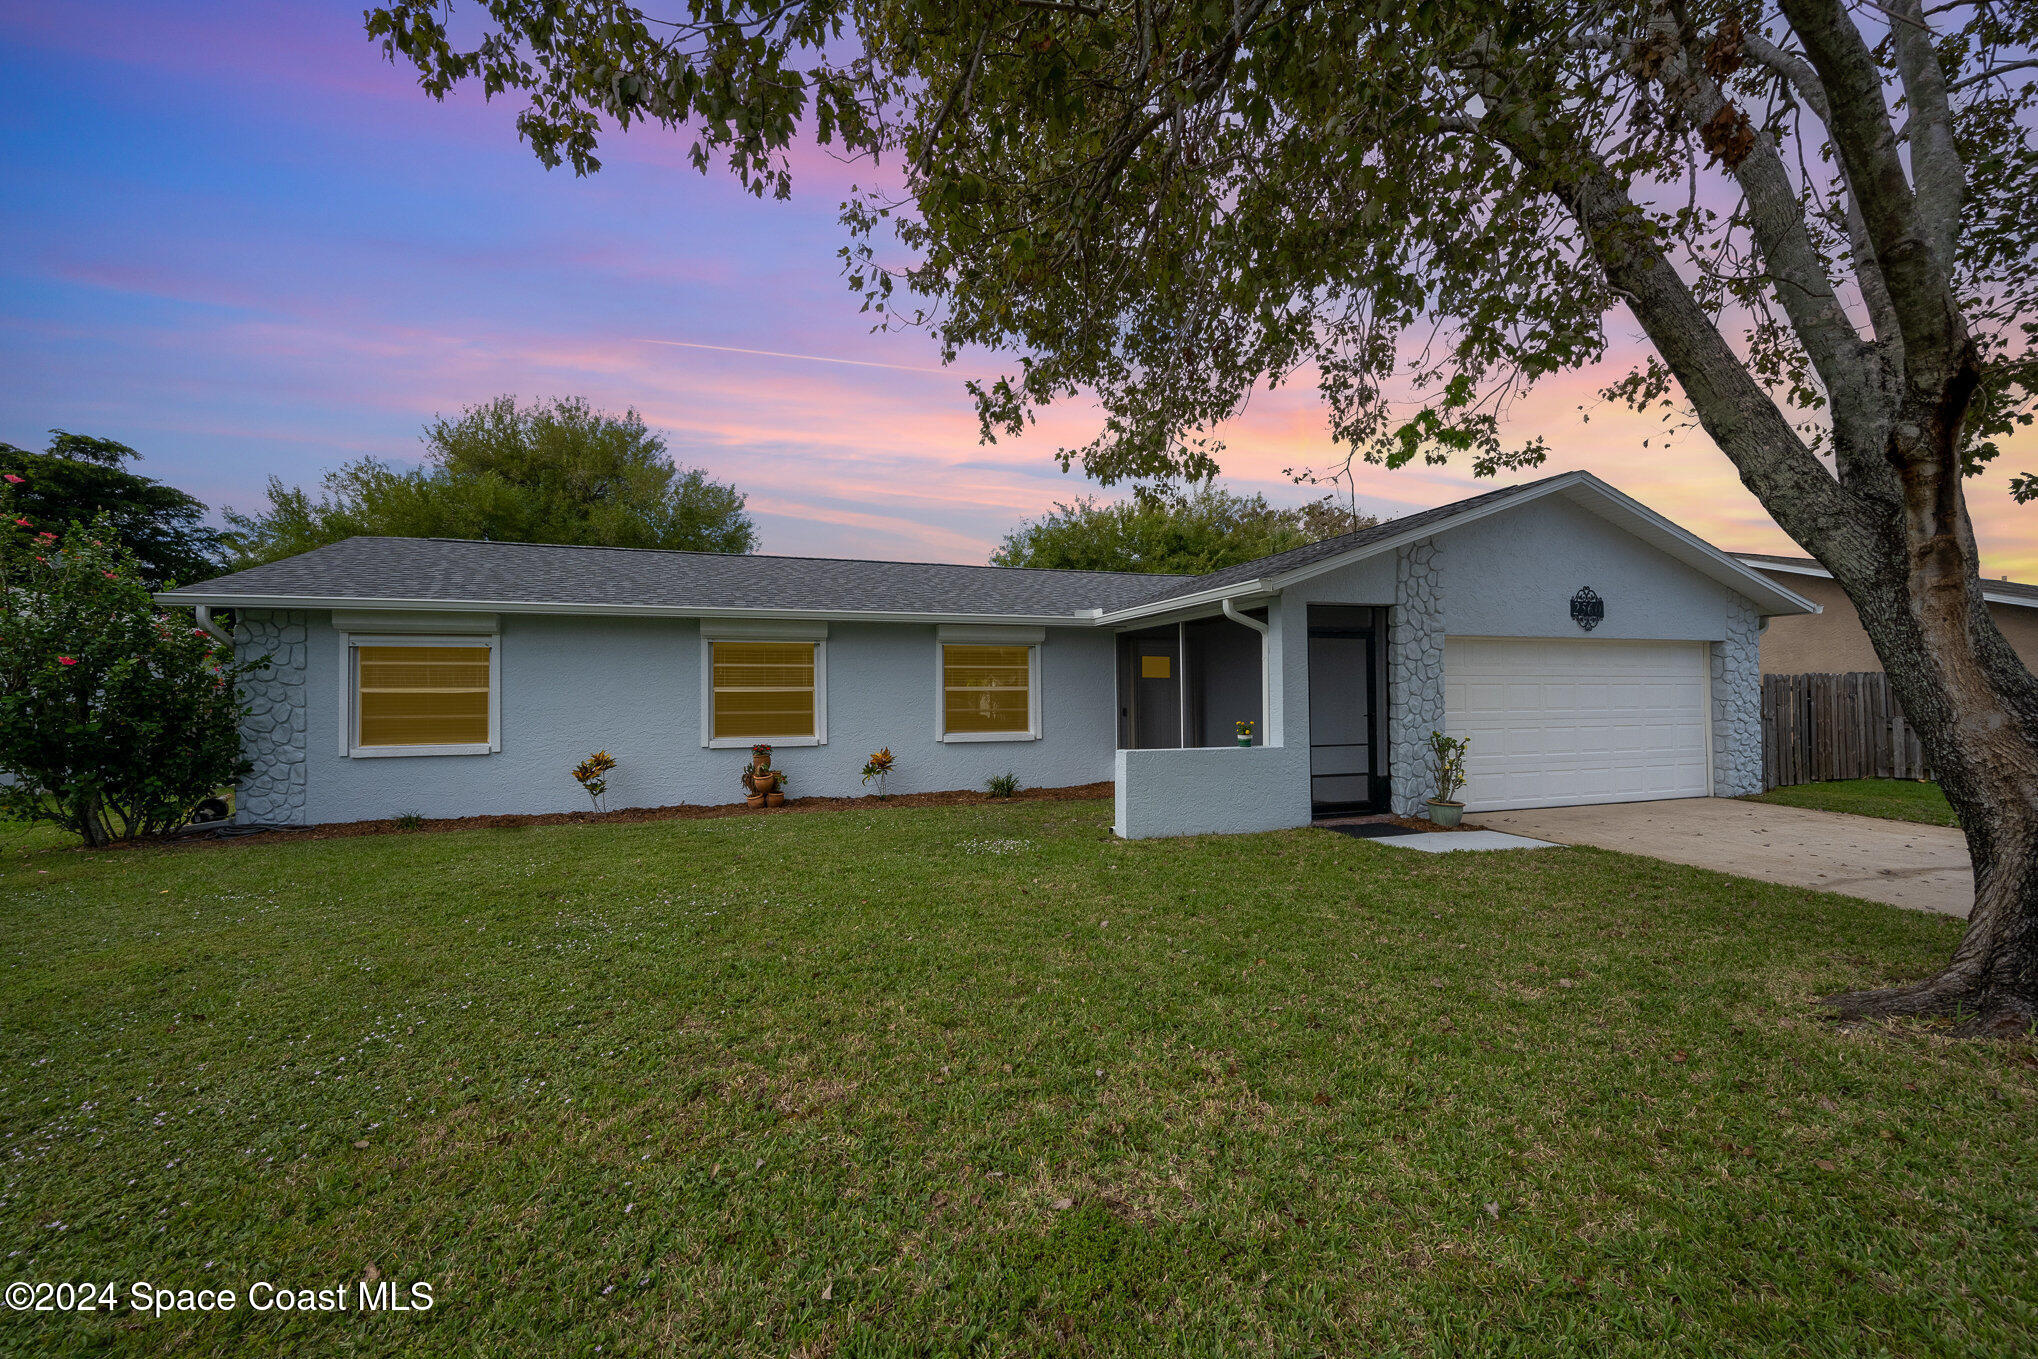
1560, 723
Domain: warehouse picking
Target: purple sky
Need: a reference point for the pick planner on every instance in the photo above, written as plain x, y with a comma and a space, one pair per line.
240, 241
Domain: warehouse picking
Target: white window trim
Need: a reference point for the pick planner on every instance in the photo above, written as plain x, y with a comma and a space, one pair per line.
351, 642
1030, 638
763, 631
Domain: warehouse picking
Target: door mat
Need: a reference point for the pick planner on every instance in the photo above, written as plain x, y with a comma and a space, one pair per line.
1371, 830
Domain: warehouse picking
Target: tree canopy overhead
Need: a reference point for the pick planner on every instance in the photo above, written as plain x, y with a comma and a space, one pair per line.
1818, 215
548, 472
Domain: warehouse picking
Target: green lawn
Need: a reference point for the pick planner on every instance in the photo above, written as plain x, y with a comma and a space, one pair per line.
985, 1080
1891, 799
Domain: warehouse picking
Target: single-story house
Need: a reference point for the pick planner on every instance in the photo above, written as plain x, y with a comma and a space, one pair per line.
1590, 648
1833, 642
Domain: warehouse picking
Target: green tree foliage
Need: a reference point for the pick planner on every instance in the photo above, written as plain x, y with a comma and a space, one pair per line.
116, 719
78, 479
1171, 532
549, 472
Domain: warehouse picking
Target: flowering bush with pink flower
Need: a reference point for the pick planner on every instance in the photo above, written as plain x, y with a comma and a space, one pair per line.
115, 719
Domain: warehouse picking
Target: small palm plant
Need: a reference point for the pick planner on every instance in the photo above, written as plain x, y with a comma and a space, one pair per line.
1002, 785
593, 775
879, 767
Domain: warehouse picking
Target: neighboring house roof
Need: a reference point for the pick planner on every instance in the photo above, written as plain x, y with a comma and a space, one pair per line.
2004, 591
445, 573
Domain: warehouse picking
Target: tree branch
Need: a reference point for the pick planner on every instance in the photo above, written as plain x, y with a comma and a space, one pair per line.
1983, 77
1935, 160
1733, 408
1797, 73
1920, 285
1846, 367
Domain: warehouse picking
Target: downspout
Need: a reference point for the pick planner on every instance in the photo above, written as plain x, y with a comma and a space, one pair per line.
203, 612
1256, 625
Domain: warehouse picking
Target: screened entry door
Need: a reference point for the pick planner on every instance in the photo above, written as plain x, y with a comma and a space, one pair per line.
1156, 694
1344, 764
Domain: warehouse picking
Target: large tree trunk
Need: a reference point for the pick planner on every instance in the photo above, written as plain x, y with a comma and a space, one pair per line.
1892, 526
1975, 707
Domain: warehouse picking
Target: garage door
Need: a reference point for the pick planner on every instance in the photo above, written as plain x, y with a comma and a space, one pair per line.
1559, 723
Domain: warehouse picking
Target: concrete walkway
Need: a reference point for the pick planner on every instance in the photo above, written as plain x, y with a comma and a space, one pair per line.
1905, 864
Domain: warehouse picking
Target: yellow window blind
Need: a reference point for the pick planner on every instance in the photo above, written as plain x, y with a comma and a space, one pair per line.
422, 695
985, 689
763, 690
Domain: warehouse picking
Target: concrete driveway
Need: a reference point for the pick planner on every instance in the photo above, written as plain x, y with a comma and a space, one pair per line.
1905, 864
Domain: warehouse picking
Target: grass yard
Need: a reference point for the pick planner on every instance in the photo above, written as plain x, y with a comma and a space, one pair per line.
983, 1079
1891, 799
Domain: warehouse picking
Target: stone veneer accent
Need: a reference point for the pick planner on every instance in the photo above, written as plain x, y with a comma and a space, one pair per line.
1737, 704
1415, 674
273, 732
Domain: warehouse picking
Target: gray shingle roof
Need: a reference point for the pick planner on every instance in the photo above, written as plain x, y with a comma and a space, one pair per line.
452, 570
446, 570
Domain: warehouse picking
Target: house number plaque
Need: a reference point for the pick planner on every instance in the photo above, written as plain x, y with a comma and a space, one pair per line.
1588, 610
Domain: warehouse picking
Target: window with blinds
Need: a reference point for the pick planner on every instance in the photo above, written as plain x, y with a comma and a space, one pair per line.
763, 690
421, 696
986, 690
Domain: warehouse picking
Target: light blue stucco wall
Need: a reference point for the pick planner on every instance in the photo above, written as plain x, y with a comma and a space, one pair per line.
571, 685
1513, 575
1211, 790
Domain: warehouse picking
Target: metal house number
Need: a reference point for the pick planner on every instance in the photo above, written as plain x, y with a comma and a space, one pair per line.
1588, 610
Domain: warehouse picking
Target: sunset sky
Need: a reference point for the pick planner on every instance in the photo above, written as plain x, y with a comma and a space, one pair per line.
240, 241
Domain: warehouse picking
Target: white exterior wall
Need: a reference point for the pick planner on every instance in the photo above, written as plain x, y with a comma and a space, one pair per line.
571, 685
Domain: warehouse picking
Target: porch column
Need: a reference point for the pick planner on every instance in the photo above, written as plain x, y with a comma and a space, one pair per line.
1415, 673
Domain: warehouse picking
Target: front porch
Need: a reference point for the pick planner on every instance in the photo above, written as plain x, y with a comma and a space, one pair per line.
1315, 696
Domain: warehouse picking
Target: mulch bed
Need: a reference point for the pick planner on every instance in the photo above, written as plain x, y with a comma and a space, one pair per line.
345, 830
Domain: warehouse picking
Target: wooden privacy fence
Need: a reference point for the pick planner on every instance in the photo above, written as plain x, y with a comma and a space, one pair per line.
1817, 727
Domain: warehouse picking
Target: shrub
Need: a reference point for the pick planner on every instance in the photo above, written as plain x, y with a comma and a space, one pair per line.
116, 719
410, 821
593, 773
879, 768
1002, 785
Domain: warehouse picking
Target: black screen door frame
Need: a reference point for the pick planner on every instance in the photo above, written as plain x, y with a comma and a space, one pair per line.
1376, 782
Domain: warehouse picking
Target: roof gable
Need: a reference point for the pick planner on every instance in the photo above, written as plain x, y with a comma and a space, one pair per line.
1271, 574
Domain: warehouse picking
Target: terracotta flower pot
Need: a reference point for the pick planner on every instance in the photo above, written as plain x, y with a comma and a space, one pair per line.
764, 780
755, 799
774, 798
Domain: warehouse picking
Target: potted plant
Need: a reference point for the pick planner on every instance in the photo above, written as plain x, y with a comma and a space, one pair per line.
1245, 733
760, 780
1447, 766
